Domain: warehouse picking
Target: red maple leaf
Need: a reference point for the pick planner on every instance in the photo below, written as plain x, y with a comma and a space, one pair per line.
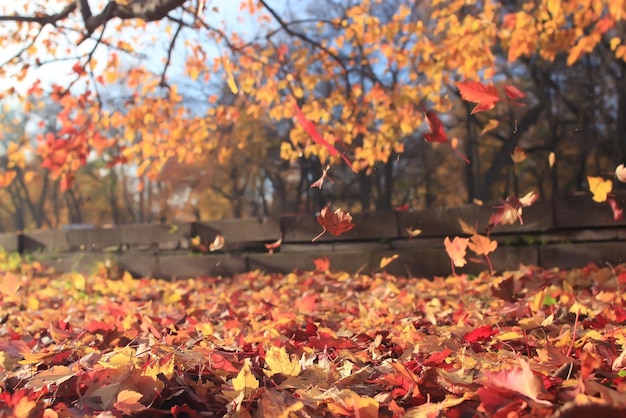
480, 334
486, 97
437, 132
336, 222
309, 128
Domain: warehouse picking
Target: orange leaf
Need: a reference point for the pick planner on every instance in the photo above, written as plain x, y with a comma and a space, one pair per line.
128, 402
482, 245
10, 284
456, 249
321, 264
336, 222
600, 188
486, 97
491, 125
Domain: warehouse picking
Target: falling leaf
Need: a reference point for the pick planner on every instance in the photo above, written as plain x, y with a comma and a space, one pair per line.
551, 159
309, 128
511, 210
620, 173
513, 92
600, 188
490, 126
618, 212
278, 361
230, 80
466, 228
274, 245
413, 232
218, 243
486, 97
482, 245
320, 182
518, 155
321, 264
384, 262
456, 250
437, 132
336, 222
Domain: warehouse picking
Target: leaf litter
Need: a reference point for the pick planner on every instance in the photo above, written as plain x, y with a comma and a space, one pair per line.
529, 342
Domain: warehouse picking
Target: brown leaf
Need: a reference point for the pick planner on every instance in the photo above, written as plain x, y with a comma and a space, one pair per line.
336, 222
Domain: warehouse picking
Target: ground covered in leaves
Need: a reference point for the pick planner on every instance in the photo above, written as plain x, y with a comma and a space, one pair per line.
529, 342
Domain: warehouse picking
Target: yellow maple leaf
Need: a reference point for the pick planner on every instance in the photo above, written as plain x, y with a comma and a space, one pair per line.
600, 188
278, 361
245, 381
384, 262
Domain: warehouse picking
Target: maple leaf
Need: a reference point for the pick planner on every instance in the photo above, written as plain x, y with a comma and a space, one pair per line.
278, 361
336, 222
600, 188
309, 128
437, 132
486, 97
456, 249
511, 210
520, 380
321, 264
482, 245
245, 382
480, 334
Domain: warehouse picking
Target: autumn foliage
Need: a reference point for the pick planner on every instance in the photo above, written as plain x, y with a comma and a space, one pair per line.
529, 342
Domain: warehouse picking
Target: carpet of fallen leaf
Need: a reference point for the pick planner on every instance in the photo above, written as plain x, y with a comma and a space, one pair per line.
529, 342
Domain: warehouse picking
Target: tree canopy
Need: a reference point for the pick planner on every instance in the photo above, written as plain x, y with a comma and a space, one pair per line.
155, 85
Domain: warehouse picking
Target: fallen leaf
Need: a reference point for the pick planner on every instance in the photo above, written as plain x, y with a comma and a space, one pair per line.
520, 380
128, 402
278, 361
551, 159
